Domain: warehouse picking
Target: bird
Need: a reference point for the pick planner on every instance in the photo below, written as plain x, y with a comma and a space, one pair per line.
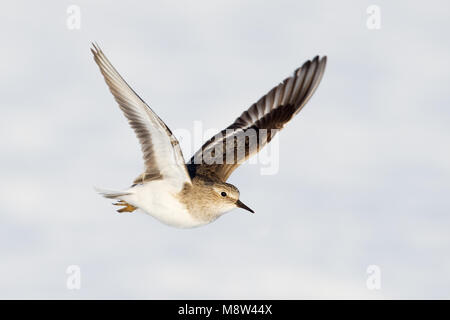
195, 193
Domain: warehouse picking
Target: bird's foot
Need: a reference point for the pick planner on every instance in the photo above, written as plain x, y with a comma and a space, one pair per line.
126, 206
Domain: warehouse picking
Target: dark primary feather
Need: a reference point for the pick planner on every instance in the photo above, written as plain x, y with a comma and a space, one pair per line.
257, 126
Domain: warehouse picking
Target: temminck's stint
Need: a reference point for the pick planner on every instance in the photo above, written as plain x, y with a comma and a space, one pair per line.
192, 194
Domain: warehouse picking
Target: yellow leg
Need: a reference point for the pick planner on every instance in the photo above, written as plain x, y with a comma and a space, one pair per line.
126, 206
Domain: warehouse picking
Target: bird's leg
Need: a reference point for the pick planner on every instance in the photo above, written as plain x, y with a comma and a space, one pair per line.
126, 206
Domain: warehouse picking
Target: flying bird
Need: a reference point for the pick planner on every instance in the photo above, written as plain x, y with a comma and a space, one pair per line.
196, 193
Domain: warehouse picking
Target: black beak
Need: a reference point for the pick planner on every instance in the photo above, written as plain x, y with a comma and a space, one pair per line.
239, 204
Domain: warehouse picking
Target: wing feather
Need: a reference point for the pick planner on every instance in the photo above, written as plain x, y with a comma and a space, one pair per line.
258, 125
162, 155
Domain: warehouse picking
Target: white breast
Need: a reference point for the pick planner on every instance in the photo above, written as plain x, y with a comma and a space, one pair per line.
159, 199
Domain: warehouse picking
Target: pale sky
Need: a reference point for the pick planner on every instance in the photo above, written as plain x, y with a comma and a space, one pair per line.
364, 173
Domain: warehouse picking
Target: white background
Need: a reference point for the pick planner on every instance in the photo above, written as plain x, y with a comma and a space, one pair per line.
364, 168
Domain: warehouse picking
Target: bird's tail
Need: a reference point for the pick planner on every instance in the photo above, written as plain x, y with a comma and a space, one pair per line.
112, 194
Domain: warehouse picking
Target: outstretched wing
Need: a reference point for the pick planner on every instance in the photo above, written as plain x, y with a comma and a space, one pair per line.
162, 155
223, 153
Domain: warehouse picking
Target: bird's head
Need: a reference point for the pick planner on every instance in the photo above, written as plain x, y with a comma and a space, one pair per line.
227, 197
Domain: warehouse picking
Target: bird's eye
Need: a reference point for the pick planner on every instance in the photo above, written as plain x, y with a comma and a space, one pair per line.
223, 194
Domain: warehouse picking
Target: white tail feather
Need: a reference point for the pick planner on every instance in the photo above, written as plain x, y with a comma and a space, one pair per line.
110, 194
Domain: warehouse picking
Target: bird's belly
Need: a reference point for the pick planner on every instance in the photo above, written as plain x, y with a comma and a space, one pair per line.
160, 200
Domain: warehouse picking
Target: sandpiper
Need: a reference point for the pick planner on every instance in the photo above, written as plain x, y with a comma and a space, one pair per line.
192, 194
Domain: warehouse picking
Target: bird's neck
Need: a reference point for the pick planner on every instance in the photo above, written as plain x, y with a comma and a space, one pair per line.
198, 198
